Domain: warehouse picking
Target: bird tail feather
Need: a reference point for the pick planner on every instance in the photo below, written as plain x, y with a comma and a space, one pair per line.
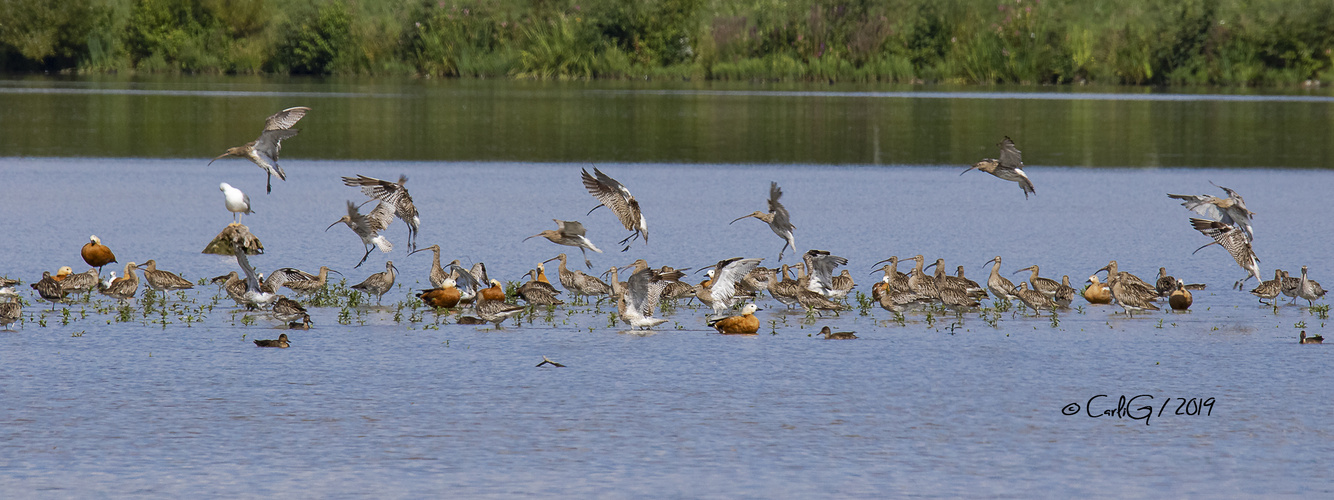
383, 244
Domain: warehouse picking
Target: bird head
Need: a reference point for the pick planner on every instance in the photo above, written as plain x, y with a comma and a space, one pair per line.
346, 220
236, 151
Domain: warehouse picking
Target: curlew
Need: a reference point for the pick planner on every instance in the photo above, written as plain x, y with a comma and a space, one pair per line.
777, 218
1009, 167
1235, 242
49, 289
368, 228
494, 311
437, 274
83, 282
163, 280
569, 233
301, 282
124, 288
615, 196
1131, 296
744, 323
832, 335
1045, 285
1035, 300
281, 343
1271, 288
643, 292
1231, 211
1065, 294
96, 254
954, 297
379, 283
10, 311
539, 292
237, 202
1179, 298
263, 152
289, 311
1309, 289
1141, 287
578, 283
392, 194
1000, 286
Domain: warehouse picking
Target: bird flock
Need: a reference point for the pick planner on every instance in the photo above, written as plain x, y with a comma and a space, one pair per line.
731, 288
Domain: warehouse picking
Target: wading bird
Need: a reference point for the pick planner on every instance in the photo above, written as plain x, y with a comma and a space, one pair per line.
289, 311
264, 150
237, 203
96, 254
396, 196
1009, 167
494, 311
777, 218
124, 287
163, 280
368, 228
379, 283
10, 311
301, 282
1179, 298
571, 234
49, 289
615, 196
1231, 211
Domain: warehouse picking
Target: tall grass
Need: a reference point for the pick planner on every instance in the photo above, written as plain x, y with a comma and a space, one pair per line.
1142, 42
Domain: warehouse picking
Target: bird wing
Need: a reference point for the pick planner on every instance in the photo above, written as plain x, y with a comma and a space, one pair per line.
1010, 156
478, 273
465, 279
285, 119
822, 266
1228, 237
270, 142
1205, 205
570, 228
251, 280
726, 275
378, 188
613, 195
380, 217
781, 217
291, 274
358, 220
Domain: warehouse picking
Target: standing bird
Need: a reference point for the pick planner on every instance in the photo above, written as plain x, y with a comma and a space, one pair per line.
163, 280
1035, 300
124, 287
999, 285
83, 282
368, 228
379, 283
443, 297
1235, 242
264, 150
744, 323
777, 218
1308, 289
10, 311
49, 289
615, 196
437, 274
571, 234
96, 254
1010, 166
1179, 298
1097, 292
301, 282
394, 194
289, 311
1271, 288
494, 311
237, 202
1231, 211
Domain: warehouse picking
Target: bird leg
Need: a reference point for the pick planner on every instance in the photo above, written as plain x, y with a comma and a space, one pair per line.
586, 261
369, 248
268, 181
780, 252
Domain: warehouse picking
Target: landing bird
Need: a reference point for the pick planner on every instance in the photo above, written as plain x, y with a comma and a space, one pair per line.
96, 254
256, 295
237, 203
777, 218
396, 196
1231, 211
264, 150
615, 196
571, 234
368, 228
1010, 166
1235, 242
644, 290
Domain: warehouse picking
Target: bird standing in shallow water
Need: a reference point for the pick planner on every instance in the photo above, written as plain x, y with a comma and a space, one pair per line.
379, 283
96, 254
777, 218
263, 151
1097, 292
569, 233
615, 196
163, 280
1009, 167
237, 202
10, 311
1179, 298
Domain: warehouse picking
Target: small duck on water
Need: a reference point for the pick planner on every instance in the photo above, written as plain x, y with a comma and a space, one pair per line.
281, 343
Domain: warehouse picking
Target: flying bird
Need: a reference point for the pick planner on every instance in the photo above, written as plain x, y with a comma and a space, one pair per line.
615, 196
264, 150
569, 233
1010, 166
1231, 211
368, 228
777, 218
394, 194
1235, 242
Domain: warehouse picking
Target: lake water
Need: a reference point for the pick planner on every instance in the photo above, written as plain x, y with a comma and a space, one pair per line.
394, 401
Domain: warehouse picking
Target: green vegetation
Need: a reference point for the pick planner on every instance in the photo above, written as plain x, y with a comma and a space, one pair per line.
1143, 42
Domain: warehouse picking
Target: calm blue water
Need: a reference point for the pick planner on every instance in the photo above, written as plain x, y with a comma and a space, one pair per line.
937, 407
